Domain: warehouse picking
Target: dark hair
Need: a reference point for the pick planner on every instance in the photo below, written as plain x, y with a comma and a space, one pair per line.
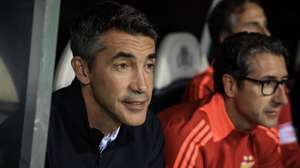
237, 50
95, 21
220, 21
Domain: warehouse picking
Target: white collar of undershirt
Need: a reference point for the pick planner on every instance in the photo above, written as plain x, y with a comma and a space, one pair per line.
108, 138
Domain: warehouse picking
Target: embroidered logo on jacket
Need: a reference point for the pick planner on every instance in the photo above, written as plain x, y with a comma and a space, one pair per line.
247, 162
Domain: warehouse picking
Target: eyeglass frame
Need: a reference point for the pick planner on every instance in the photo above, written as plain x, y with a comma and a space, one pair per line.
263, 82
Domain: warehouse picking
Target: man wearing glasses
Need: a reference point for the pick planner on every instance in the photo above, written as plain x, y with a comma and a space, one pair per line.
229, 17
235, 128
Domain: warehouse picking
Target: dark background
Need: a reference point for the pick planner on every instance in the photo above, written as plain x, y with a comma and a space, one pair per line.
189, 15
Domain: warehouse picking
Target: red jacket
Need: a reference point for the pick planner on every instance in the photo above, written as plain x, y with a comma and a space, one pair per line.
202, 85
205, 137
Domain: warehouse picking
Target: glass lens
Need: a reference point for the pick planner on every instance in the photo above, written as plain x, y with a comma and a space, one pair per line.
269, 87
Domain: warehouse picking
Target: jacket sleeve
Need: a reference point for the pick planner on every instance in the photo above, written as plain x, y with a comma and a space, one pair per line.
180, 154
180, 131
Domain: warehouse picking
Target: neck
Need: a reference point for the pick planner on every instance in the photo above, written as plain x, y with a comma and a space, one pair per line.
239, 120
98, 117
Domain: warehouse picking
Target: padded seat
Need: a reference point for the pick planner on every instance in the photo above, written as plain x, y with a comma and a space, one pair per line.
178, 60
64, 73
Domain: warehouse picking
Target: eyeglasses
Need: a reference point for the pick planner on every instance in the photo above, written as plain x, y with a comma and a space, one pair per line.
268, 87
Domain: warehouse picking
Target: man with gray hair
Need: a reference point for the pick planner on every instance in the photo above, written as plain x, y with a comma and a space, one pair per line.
101, 119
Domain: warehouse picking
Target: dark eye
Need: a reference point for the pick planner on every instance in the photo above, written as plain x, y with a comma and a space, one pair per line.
121, 67
150, 67
270, 83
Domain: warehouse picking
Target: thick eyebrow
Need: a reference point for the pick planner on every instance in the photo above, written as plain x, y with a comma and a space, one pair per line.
151, 56
124, 55
274, 78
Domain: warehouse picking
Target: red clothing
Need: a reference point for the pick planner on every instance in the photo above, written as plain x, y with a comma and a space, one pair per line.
202, 85
205, 137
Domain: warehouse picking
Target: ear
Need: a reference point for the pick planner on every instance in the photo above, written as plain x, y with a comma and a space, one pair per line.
230, 85
81, 70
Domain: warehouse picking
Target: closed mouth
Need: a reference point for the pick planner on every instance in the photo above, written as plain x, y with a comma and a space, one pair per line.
133, 105
272, 113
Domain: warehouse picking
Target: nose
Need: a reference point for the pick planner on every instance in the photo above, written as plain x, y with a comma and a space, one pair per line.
139, 83
264, 30
281, 96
